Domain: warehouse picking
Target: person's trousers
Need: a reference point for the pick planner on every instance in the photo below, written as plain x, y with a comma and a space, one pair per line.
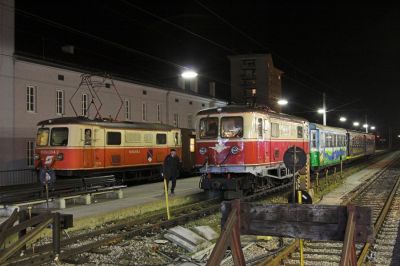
173, 181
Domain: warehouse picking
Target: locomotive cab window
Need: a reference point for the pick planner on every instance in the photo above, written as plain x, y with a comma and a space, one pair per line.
113, 138
161, 138
42, 137
209, 127
88, 136
232, 127
59, 136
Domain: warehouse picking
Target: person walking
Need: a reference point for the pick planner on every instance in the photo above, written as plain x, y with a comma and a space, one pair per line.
171, 169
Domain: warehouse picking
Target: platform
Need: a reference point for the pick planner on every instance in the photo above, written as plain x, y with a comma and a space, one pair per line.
336, 196
136, 199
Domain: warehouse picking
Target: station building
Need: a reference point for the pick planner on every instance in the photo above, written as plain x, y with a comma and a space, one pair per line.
33, 90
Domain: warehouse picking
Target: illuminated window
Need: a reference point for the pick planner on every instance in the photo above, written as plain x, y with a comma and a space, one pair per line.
253, 92
192, 145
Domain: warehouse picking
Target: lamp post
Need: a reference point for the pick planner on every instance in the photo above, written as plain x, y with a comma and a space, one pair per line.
189, 74
342, 119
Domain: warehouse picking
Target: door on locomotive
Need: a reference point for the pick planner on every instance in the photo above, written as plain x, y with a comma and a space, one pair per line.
88, 150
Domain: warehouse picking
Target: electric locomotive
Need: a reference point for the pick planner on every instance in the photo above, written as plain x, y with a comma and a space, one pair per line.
240, 149
81, 147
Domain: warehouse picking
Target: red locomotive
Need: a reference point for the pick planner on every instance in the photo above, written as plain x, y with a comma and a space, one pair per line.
80, 147
240, 148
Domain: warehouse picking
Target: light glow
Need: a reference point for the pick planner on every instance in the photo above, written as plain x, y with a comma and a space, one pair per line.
343, 119
365, 126
282, 102
372, 128
321, 110
356, 124
189, 74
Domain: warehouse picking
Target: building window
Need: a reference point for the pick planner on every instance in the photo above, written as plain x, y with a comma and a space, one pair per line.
192, 144
108, 85
176, 120
177, 100
85, 104
202, 105
60, 77
190, 120
190, 102
144, 92
144, 111
30, 149
158, 112
60, 102
31, 97
127, 105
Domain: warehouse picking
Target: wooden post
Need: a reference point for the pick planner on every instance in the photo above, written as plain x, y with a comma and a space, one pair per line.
300, 240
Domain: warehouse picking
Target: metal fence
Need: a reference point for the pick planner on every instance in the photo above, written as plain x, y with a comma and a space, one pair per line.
18, 177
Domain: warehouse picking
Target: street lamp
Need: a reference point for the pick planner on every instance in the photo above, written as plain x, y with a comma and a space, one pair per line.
372, 128
282, 102
365, 126
342, 119
321, 111
189, 74
356, 124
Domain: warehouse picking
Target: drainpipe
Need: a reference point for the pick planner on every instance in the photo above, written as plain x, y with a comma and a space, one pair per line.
167, 106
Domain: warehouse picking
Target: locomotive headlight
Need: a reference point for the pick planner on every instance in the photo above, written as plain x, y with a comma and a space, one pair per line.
203, 150
235, 149
60, 156
36, 157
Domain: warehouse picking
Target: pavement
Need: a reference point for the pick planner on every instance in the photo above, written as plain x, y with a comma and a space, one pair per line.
336, 196
135, 196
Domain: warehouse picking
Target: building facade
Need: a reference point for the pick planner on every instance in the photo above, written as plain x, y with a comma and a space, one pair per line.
255, 80
34, 90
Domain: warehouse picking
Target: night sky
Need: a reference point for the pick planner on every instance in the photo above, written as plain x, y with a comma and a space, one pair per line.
351, 51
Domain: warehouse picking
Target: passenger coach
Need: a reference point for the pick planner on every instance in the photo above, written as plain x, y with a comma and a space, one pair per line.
78, 146
240, 148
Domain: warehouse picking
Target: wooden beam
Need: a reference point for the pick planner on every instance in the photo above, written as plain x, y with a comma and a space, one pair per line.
313, 222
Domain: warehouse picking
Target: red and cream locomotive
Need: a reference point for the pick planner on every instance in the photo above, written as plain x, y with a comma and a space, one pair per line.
240, 149
81, 147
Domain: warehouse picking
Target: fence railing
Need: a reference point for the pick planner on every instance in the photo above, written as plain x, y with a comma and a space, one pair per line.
18, 177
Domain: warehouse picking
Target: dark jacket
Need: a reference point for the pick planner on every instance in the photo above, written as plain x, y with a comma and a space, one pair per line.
171, 166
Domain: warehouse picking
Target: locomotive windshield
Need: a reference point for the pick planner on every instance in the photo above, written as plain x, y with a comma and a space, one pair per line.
42, 137
59, 136
209, 127
232, 127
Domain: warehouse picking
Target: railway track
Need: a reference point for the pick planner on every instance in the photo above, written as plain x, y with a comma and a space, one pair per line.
382, 194
116, 233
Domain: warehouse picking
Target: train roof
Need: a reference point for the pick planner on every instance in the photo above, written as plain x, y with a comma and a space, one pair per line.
104, 123
248, 109
358, 132
327, 128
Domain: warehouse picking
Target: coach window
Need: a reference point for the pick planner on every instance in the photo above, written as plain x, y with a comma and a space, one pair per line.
113, 138
313, 139
232, 127
259, 127
176, 138
161, 138
42, 137
208, 127
59, 136
300, 132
